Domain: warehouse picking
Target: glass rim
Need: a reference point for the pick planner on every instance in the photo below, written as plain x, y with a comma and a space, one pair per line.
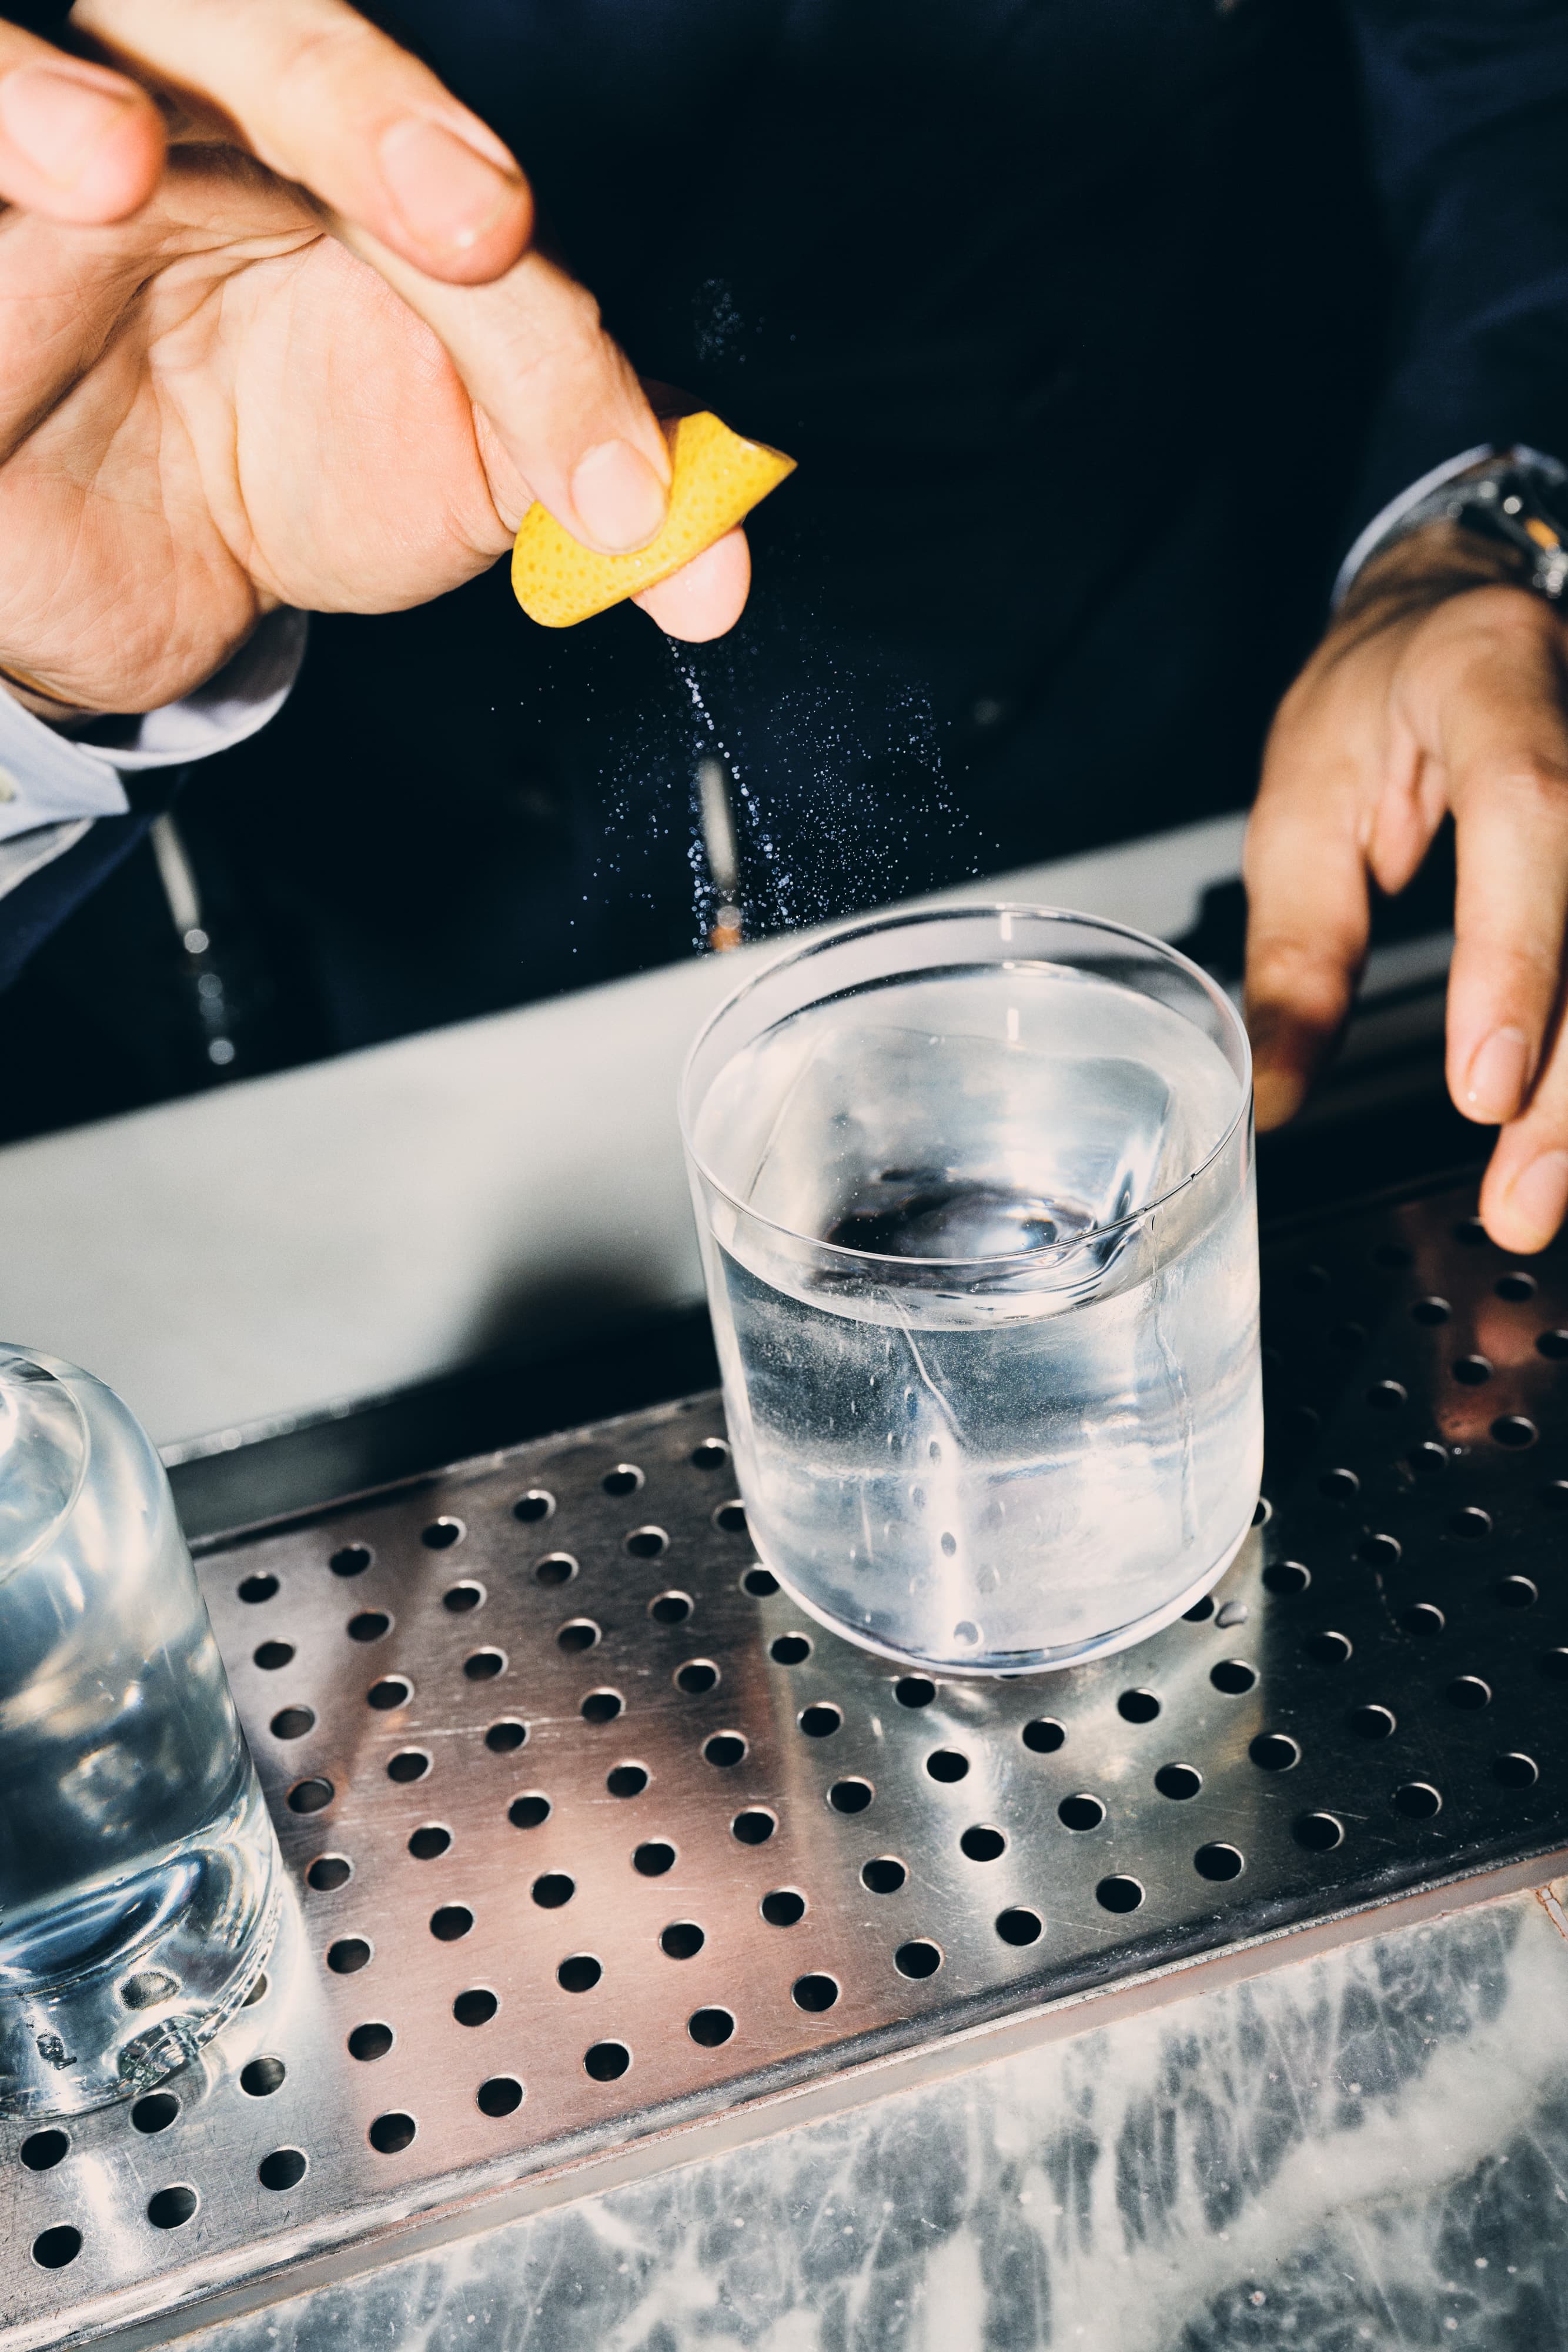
900, 920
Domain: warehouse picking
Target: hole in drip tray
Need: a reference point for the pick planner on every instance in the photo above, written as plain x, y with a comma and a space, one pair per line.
581, 1973
154, 2113
501, 2096
292, 1723
1319, 1832
1328, 1649
285, 2168
348, 1955
1286, 1577
884, 1875
731, 1519
1081, 1812
1515, 1771
653, 1858
814, 1992
1137, 1706
624, 1479
1178, 1782
1472, 1370
697, 1677
946, 1765
54, 2248
627, 1780
1044, 1737
1431, 1311
1417, 1801
759, 1582
1019, 1926
1469, 1693
607, 2060
670, 1608
529, 1811
681, 1939
257, 1588
647, 1543
452, 1920
914, 1690
753, 1827
819, 1722
369, 1625
724, 1748
1423, 1617
790, 1649
171, 2209
460, 1600
852, 1796
1387, 1396
711, 1455
535, 1504
370, 2041
1119, 1894
1372, 1722
42, 2150
983, 1844
1200, 1612
441, 1534
408, 1764
430, 1842
350, 1560
555, 1567
601, 1706
1516, 1592
1274, 1751
553, 1889
503, 1738
1553, 1345
578, 1633
1233, 1675
484, 1666
1218, 1862
783, 1908
918, 1958
391, 2134
309, 1796
710, 2027
1513, 1431
391, 1691
477, 2007
261, 2077
271, 1656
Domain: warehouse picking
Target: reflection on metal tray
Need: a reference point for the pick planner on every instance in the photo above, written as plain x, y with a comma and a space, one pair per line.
591, 1834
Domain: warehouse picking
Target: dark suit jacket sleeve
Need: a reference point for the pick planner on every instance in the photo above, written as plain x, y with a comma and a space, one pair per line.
1468, 121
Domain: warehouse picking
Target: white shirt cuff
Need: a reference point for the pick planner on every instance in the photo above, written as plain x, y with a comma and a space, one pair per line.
48, 778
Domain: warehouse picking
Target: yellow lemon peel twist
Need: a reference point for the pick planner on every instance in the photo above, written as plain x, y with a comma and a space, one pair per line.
716, 477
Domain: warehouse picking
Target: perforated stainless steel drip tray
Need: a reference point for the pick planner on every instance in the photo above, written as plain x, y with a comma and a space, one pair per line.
591, 1833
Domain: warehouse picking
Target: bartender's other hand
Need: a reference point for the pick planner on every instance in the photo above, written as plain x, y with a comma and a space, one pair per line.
1441, 688
357, 137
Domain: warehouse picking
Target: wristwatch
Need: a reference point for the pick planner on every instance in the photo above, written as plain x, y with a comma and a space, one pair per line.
1520, 498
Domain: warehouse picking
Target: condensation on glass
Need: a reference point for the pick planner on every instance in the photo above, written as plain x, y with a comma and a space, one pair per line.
138, 1867
976, 1201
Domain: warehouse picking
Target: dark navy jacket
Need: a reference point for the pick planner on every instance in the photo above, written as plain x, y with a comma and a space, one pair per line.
1098, 328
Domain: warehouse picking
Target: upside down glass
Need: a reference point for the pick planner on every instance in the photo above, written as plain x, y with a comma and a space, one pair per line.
977, 1203
138, 1877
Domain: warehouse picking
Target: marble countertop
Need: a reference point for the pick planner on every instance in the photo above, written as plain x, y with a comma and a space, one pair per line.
1367, 2145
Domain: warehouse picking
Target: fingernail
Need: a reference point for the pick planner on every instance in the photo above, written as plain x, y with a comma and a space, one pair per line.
447, 195
1537, 1200
1499, 1072
56, 121
618, 496
1277, 1095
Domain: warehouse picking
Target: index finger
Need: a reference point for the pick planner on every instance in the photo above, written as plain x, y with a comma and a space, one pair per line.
1308, 913
325, 98
77, 144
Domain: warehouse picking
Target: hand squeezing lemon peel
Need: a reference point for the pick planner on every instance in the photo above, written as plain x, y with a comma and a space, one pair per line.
716, 478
